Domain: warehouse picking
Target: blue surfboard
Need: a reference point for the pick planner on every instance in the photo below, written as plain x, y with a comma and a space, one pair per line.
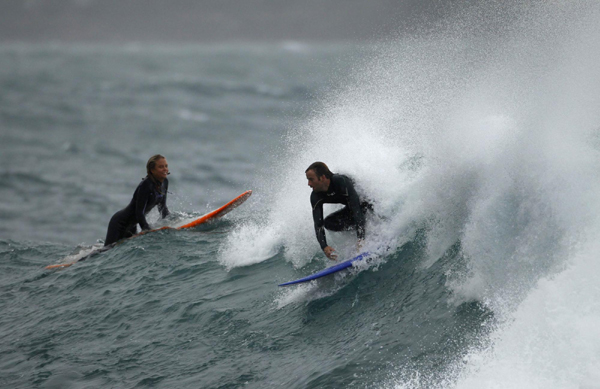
329, 270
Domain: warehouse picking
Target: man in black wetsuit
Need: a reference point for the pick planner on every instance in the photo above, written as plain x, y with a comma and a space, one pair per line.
152, 191
337, 189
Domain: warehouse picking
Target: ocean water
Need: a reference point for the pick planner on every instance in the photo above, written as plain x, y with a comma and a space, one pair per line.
477, 141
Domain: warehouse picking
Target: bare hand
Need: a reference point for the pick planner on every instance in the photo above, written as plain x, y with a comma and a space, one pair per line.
359, 245
329, 253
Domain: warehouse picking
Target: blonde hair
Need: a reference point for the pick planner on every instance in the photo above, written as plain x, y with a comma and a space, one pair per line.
152, 163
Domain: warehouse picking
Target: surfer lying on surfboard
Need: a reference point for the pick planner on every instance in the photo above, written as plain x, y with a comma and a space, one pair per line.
335, 189
217, 213
152, 191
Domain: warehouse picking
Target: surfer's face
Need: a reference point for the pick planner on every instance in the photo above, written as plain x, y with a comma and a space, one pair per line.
161, 169
318, 184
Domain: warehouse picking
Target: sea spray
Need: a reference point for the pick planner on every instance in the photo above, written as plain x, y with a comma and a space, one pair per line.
477, 135
513, 177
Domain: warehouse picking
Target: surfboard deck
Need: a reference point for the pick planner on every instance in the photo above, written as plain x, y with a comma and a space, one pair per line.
329, 270
211, 216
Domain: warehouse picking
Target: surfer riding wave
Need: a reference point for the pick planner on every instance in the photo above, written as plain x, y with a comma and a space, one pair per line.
333, 188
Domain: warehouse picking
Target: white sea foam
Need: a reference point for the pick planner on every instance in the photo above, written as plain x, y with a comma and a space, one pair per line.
484, 137
552, 340
512, 174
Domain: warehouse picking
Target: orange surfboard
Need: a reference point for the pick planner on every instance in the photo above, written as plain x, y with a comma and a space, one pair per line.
217, 213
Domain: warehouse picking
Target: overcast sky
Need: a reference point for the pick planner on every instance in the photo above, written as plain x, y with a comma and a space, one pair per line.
208, 20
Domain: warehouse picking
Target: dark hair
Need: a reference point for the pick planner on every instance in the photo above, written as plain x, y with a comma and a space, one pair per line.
152, 163
320, 169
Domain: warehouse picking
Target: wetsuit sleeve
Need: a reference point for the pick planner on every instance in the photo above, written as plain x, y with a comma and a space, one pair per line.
317, 207
140, 205
357, 213
162, 206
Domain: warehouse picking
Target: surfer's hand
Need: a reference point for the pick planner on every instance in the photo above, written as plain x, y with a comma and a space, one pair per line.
359, 245
329, 253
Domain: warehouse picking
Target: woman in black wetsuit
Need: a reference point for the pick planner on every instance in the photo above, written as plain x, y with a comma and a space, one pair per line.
150, 192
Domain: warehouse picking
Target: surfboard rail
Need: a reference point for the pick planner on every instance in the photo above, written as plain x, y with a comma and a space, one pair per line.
219, 212
330, 270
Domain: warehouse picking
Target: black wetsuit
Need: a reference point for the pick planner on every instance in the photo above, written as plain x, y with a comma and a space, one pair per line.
352, 216
148, 194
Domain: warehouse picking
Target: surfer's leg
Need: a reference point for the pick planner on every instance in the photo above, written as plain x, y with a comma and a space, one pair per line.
116, 228
341, 220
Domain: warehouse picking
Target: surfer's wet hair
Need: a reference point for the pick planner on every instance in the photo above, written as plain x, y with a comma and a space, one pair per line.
320, 169
152, 163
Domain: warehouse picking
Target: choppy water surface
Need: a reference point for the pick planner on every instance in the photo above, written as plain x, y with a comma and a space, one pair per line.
478, 148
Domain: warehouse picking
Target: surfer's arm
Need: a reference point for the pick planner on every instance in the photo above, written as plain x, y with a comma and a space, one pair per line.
317, 212
359, 244
140, 207
162, 206
164, 211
